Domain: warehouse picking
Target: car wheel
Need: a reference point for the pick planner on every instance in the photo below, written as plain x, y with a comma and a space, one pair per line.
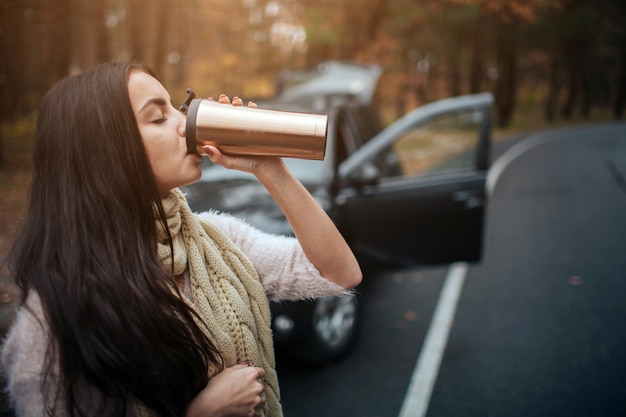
333, 332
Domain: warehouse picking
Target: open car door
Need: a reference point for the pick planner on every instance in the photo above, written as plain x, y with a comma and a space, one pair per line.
415, 193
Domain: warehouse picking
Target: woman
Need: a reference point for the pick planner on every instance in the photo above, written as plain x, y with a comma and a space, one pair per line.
131, 304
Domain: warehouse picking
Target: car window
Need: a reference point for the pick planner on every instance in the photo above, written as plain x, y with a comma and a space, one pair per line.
446, 143
356, 125
367, 122
346, 141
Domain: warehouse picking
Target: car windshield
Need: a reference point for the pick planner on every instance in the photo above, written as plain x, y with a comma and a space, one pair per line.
303, 169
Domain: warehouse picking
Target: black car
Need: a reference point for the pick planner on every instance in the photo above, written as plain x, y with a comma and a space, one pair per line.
410, 194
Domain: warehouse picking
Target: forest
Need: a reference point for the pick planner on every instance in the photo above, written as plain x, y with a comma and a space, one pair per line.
566, 58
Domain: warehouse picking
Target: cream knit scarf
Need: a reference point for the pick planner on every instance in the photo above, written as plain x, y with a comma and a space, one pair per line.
225, 292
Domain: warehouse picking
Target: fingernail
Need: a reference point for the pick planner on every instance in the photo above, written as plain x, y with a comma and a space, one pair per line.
208, 150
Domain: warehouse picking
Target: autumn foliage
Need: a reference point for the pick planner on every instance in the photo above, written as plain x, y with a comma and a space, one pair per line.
567, 56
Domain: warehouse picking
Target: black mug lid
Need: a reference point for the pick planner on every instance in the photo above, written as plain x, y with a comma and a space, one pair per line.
192, 115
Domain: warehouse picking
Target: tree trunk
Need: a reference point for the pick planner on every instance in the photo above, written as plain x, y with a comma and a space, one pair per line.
11, 53
477, 58
377, 14
571, 68
585, 85
2, 161
552, 98
103, 51
454, 59
58, 53
162, 36
505, 91
620, 99
137, 27
180, 25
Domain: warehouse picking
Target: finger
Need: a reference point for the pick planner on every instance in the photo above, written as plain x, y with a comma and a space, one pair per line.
224, 99
210, 98
252, 104
260, 372
261, 404
211, 151
237, 101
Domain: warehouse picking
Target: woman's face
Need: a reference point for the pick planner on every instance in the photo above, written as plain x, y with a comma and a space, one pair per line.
162, 129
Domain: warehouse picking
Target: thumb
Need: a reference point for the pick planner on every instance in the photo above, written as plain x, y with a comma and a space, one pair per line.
240, 366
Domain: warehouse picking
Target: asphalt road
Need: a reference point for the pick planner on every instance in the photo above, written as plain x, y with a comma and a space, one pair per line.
540, 325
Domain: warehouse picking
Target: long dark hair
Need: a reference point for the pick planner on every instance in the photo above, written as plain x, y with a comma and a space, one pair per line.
88, 249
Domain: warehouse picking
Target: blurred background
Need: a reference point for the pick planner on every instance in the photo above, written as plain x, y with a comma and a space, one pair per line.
527, 344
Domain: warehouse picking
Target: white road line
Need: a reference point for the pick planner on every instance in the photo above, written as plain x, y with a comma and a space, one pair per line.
425, 373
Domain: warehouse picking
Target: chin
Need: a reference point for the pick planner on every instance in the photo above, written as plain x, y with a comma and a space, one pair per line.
193, 179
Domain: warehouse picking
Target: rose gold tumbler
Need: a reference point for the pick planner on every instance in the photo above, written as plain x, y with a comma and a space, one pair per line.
255, 131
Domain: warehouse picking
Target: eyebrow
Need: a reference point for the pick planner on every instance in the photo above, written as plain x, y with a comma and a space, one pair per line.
157, 100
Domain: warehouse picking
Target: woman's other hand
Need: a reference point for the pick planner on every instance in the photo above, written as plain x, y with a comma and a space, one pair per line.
247, 163
224, 99
234, 392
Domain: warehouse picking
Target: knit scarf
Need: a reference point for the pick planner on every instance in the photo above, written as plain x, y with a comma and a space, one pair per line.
225, 292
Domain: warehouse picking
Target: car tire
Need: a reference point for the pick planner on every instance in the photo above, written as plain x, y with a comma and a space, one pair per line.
334, 328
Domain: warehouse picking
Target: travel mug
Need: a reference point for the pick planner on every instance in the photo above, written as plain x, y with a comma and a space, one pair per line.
255, 131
